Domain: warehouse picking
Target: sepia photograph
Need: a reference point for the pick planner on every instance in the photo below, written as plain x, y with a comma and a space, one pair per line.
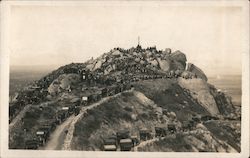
125, 78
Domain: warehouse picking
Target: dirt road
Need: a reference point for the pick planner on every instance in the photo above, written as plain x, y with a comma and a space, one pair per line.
17, 120
150, 141
71, 129
57, 137
144, 143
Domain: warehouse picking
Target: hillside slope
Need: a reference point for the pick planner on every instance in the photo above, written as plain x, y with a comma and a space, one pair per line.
164, 102
166, 90
130, 110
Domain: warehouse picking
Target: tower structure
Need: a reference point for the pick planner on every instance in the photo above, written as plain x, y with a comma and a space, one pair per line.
138, 46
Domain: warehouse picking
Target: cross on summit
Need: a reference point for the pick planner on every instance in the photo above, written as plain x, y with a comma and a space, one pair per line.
138, 46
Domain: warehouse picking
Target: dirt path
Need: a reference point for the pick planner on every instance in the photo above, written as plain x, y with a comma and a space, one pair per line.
71, 129
57, 137
144, 143
17, 120
16, 123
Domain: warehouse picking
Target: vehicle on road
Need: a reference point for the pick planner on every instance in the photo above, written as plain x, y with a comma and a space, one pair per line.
126, 144
31, 144
145, 134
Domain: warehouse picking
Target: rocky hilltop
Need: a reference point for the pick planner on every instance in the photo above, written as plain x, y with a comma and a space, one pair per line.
127, 88
121, 65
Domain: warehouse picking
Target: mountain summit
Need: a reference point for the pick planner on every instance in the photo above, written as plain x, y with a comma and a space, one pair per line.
133, 89
131, 65
126, 64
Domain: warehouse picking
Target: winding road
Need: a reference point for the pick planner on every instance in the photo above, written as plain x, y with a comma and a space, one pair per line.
144, 143
69, 137
59, 140
57, 137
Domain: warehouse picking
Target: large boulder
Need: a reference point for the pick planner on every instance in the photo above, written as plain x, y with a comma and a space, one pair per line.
90, 66
167, 51
200, 90
197, 71
164, 64
153, 62
97, 65
179, 57
63, 82
176, 65
116, 53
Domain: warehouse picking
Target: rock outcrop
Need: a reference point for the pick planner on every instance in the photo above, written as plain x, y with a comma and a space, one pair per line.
150, 58
63, 82
224, 102
165, 64
197, 71
180, 59
119, 62
201, 92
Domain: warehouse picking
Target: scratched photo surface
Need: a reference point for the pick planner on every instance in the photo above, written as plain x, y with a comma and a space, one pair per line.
125, 77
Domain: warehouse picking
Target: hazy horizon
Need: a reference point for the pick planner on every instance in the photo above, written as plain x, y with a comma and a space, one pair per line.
58, 35
50, 68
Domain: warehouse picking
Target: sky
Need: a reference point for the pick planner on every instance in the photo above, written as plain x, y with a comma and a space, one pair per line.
58, 35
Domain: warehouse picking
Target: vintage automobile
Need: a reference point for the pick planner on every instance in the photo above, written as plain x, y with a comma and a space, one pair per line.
145, 134
42, 135
31, 144
126, 144
171, 128
61, 115
110, 144
109, 148
196, 119
135, 140
160, 131
77, 110
187, 125
122, 134
104, 92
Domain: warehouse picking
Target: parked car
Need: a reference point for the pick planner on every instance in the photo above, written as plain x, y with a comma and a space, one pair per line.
160, 131
145, 134
126, 144
171, 128
110, 144
122, 134
31, 144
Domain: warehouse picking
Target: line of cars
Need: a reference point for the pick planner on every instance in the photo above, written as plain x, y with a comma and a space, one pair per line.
42, 134
191, 123
104, 92
124, 141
